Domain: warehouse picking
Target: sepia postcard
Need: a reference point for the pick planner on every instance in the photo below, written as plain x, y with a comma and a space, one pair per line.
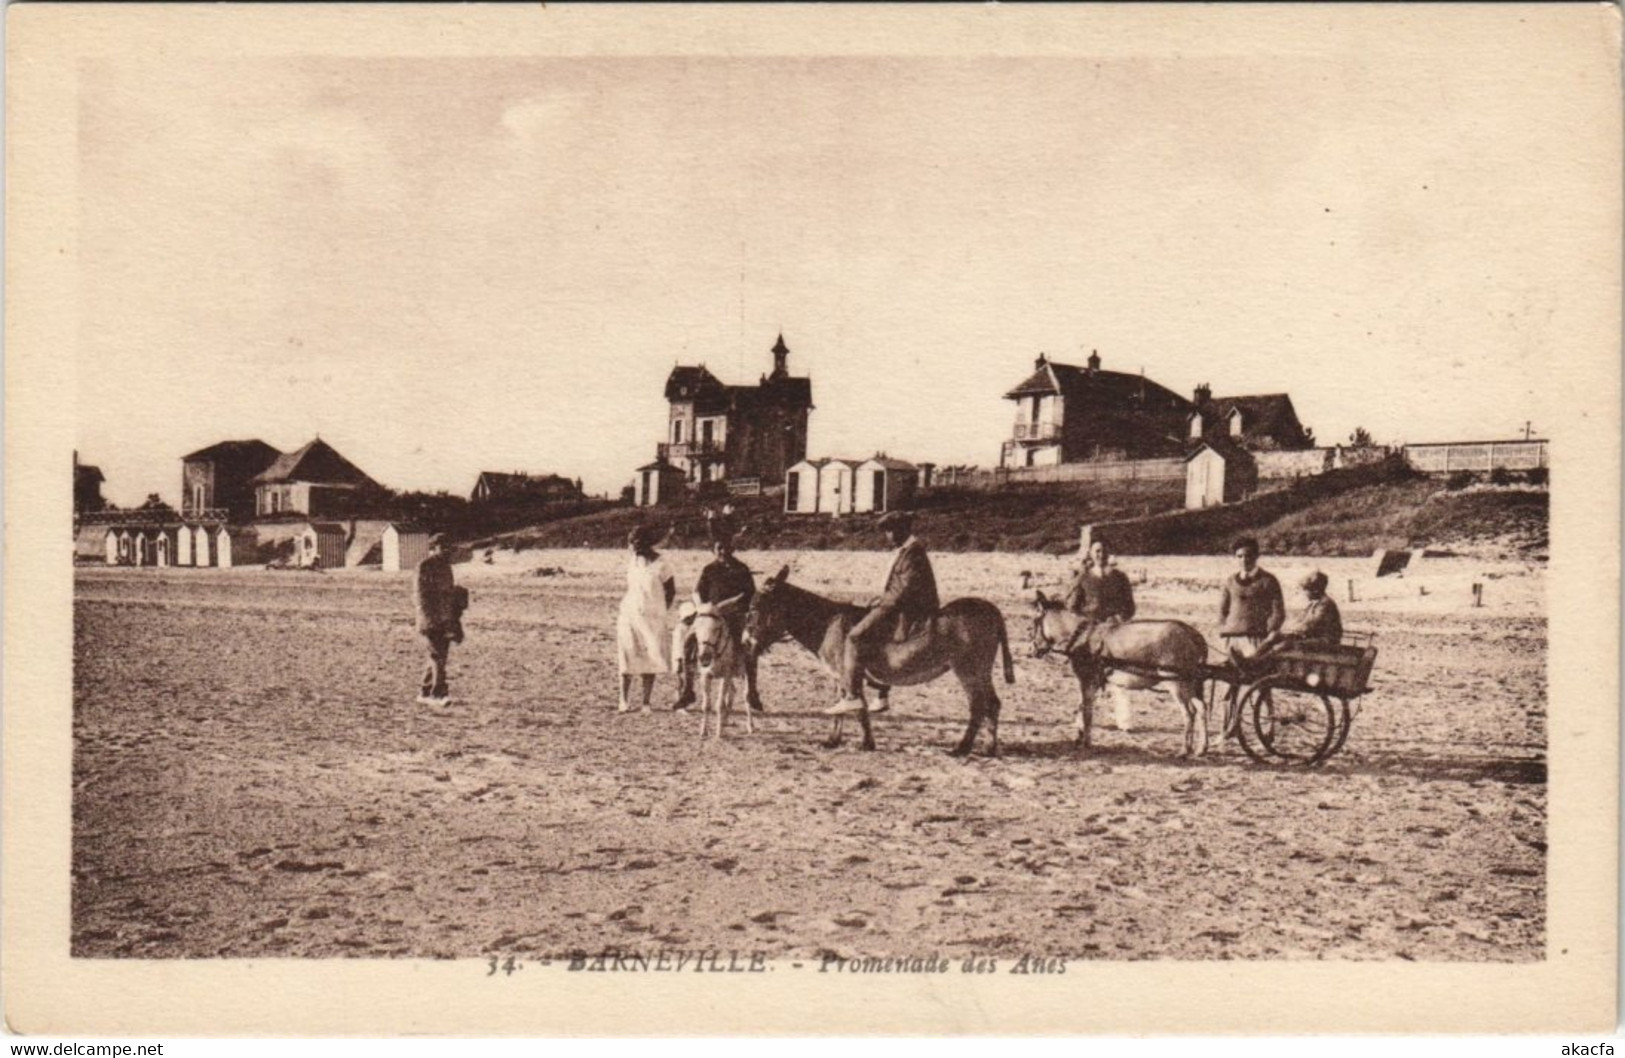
795, 520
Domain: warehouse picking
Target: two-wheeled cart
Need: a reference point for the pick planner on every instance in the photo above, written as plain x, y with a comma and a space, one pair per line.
1295, 705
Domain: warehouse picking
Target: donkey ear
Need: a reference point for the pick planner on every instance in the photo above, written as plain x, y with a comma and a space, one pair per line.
728, 605
782, 575
1040, 602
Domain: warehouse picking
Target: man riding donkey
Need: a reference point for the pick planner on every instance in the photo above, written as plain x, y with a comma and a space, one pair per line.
724, 577
904, 609
1104, 598
907, 638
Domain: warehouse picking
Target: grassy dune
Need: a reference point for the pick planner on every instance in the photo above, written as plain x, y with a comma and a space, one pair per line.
1509, 522
1418, 512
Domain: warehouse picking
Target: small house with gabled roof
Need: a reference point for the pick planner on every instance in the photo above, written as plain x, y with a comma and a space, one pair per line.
1218, 471
314, 481
657, 483
521, 490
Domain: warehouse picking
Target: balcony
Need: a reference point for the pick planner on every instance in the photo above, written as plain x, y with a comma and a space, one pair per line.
691, 450
1038, 431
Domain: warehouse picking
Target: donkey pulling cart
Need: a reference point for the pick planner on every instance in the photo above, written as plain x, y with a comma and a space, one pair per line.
1294, 705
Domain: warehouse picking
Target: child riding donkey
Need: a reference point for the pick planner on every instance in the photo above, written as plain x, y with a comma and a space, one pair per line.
723, 579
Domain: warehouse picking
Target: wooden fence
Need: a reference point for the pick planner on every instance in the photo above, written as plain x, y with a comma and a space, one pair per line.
1124, 470
1476, 456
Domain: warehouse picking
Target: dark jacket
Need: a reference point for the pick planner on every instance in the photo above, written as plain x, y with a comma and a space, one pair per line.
1253, 607
910, 596
1100, 596
721, 580
434, 594
1319, 623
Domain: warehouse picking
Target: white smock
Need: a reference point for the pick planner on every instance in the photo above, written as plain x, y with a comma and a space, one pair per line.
642, 631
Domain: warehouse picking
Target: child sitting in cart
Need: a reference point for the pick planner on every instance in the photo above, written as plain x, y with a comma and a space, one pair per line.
1319, 625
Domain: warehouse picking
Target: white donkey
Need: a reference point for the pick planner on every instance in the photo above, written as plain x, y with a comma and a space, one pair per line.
719, 662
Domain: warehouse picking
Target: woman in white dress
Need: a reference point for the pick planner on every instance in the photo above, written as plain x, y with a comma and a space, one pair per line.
642, 632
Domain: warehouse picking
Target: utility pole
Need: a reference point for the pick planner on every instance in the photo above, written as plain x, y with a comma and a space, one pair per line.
1527, 429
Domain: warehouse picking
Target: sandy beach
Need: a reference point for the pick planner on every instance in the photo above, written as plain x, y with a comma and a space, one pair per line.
253, 778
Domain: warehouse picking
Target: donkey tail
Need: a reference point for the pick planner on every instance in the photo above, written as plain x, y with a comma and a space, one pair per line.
1004, 647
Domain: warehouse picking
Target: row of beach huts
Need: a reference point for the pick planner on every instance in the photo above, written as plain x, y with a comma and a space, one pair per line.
356, 543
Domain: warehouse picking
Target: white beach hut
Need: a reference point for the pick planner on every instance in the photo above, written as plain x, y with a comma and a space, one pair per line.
835, 490
404, 546
321, 545
884, 484
235, 546
801, 487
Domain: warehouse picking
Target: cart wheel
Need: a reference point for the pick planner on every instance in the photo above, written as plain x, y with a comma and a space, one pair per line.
1230, 725
1292, 726
1256, 697
1346, 718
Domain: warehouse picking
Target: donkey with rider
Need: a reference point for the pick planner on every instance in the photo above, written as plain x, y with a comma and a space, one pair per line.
903, 638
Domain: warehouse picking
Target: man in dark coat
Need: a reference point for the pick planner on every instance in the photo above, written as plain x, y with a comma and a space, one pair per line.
905, 608
723, 578
437, 599
1102, 595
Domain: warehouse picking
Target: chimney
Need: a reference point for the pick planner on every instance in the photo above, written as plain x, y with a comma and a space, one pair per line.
1038, 365
1094, 360
1204, 393
781, 353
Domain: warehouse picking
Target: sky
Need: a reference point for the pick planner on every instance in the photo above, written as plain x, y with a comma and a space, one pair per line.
448, 265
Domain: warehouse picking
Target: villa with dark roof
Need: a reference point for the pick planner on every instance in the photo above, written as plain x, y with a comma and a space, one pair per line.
1267, 422
717, 432
1071, 414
